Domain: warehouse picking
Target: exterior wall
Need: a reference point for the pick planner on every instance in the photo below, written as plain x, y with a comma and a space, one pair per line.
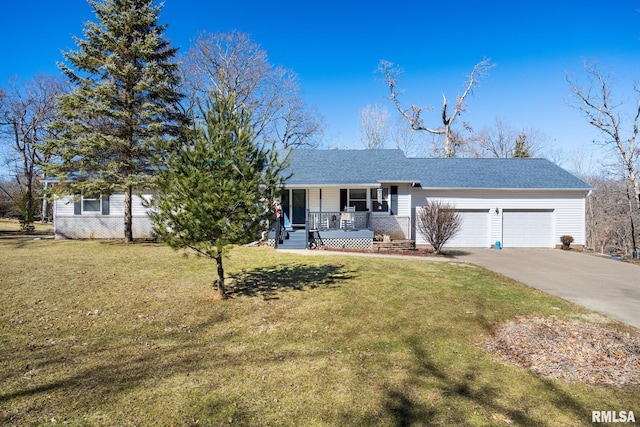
397, 227
404, 200
94, 225
313, 199
568, 208
330, 200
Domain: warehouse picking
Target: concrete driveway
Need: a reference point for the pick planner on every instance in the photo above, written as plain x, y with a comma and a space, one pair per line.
602, 284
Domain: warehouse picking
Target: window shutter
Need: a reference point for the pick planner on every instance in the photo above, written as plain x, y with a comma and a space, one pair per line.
105, 205
343, 198
394, 200
77, 205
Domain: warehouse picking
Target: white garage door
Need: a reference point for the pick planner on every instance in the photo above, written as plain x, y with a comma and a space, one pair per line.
474, 232
527, 228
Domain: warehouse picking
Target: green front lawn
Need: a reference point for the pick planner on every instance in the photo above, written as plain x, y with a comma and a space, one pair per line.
99, 333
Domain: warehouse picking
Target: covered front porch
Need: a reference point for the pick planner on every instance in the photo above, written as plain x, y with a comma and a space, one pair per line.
344, 216
333, 230
340, 230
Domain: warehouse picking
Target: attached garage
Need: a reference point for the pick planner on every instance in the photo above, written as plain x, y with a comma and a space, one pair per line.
474, 232
527, 228
521, 203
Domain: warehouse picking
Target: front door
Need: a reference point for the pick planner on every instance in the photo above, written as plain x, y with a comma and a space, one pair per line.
298, 207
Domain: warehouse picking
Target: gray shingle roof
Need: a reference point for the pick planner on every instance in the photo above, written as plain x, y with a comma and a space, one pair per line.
313, 167
494, 174
342, 167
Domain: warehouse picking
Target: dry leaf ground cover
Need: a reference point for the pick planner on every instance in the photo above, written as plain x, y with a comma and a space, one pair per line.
570, 351
97, 333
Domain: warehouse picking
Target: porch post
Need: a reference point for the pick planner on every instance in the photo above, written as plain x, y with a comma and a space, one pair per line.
319, 223
306, 231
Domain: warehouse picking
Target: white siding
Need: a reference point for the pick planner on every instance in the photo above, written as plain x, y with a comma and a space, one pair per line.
567, 208
313, 199
404, 200
63, 205
94, 225
116, 204
330, 198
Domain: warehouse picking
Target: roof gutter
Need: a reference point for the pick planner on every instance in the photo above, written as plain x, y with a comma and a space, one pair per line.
509, 189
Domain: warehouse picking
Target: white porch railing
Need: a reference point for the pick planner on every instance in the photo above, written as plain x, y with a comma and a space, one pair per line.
340, 220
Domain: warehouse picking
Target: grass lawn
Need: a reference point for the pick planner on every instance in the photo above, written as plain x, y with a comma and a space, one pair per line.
102, 333
11, 228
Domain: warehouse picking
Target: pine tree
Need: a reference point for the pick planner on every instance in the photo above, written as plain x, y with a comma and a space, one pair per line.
216, 191
122, 116
522, 147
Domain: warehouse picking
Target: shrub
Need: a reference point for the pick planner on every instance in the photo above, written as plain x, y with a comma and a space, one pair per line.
438, 222
566, 239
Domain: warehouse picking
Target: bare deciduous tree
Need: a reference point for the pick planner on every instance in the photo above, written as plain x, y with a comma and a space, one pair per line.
412, 114
437, 223
374, 127
497, 141
603, 112
608, 215
25, 115
9, 193
404, 137
231, 63
503, 141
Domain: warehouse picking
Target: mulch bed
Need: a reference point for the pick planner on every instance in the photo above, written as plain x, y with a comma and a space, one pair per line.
571, 352
403, 252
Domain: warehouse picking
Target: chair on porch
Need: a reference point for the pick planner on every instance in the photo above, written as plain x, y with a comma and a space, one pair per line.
346, 220
333, 222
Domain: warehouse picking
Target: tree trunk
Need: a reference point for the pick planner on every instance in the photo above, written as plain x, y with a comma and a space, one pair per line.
29, 205
45, 210
128, 215
633, 228
220, 282
449, 148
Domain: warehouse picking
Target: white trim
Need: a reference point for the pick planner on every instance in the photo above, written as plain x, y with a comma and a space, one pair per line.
346, 185
586, 190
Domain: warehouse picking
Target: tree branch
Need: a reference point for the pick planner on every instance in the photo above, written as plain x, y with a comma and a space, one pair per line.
412, 114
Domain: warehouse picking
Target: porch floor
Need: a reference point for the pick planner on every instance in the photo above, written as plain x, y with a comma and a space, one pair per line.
342, 234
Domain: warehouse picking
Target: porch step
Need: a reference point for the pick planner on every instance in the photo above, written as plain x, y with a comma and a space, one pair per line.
296, 240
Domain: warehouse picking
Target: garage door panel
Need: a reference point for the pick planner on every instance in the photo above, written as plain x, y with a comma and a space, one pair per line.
474, 232
527, 228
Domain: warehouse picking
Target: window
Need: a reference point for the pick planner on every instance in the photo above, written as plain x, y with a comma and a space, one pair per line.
91, 204
380, 207
358, 199
366, 199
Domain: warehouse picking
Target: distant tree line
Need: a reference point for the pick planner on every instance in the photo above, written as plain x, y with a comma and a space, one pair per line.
127, 101
126, 83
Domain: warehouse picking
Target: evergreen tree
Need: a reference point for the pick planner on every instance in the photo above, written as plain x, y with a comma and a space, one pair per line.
216, 191
122, 116
522, 147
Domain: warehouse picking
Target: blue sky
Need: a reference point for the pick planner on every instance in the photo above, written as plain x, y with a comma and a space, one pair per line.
335, 46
